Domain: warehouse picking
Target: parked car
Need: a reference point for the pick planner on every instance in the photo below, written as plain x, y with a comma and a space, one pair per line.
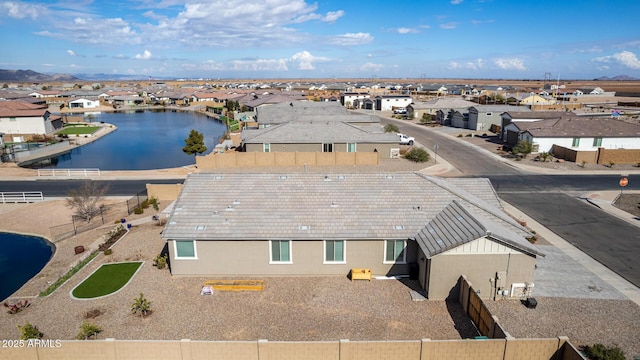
406, 140
400, 111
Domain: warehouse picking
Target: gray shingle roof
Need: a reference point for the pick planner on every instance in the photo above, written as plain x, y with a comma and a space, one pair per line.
305, 206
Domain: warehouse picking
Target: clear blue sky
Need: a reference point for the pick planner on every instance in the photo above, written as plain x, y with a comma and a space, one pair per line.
510, 39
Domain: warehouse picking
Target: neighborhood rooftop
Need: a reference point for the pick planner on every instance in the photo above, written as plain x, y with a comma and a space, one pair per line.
315, 206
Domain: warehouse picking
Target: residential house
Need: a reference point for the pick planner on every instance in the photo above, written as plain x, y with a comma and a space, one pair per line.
353, 100
83, 103
580, 134
488, 117
391, 102
535, 99
511, 134
19, 120
305, 126
303, 224
439, 108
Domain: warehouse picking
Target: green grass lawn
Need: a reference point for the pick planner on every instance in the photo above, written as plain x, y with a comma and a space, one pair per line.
107, 279
79, 130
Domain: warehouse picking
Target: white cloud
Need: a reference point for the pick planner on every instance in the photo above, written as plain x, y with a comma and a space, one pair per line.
406, 30
510, 64
371, 67
146, 55
456, 2
624, 58
477, 64
449, 26
21, 10
71, 53
260, 65
305, 60
333, 16
351, 39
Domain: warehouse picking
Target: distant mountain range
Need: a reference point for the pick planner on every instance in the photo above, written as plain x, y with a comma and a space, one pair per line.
616, 78
32, 76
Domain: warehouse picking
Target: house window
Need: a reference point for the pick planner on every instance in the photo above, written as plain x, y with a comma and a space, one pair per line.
334, 251
266, 147
12, 119
351, 147
280, 252
394, 252
597, 141
575, 142
185, 249
327, 147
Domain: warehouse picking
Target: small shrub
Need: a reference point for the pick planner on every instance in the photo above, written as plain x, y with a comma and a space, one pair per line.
460, 135
138, 210
87, 331
29, 331
611, 163
469, 135
417, 154
17, 306
154, 203
108, 252
160, 261
141, 305
532, 239
391, 128
601, 352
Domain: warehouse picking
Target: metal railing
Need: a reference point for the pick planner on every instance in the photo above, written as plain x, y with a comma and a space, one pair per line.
21, 197
69, 172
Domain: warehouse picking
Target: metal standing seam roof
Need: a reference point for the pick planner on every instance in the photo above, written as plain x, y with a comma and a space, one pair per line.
455, 226
305, 206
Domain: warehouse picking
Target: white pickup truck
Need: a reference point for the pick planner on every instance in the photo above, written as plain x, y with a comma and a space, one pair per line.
406, 140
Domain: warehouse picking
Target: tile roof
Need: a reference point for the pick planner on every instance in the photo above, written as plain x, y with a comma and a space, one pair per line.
293, 110
444, 103
306, 206
19, 108
320, 131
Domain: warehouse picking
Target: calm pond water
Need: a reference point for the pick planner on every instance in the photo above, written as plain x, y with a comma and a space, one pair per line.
21, 258
144, 140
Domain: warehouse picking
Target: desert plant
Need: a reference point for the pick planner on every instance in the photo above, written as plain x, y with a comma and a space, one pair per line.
85, 200
524, 148
544, 156
29, 331
601, 352
417, 154
141, 305
87, 331
138, 210
154, 203
17, 306
108, 252
391, 128
611, 163
160, 261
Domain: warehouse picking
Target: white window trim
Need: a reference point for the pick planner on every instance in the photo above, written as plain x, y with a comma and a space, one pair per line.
404, 259
332, 146
265, 146
344, 253
175, 251
355, 147
281, 262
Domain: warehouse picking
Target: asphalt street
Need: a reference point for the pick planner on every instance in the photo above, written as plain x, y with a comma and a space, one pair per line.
609, 240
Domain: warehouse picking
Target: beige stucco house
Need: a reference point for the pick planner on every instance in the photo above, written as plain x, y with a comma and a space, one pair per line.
303, 224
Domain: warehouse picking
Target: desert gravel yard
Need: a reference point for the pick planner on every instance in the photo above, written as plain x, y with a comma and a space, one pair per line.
310, 308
